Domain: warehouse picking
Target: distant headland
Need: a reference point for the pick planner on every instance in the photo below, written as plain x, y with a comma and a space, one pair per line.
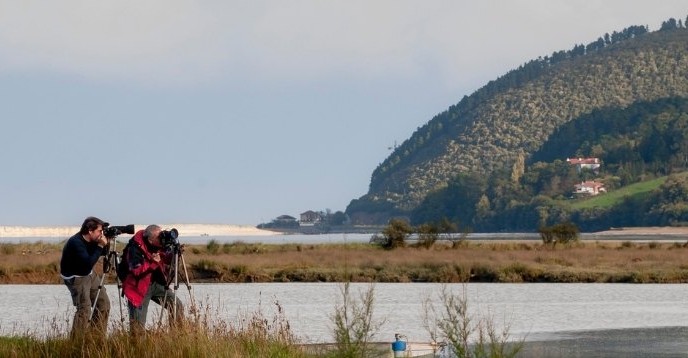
184, 230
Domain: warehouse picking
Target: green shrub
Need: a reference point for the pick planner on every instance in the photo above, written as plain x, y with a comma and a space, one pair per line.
559, 233
206, 265
427, 235
212, 247
238, 270
8, 249
226, 248
627, 245
394, 234
354, 326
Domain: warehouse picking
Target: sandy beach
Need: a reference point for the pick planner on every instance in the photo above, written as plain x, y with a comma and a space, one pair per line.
184, 230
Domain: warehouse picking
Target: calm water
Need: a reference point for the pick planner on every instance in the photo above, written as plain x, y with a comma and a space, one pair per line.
342, 238
194, 240
536, 311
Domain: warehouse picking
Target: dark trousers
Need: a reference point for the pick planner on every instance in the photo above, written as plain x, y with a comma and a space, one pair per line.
160, 295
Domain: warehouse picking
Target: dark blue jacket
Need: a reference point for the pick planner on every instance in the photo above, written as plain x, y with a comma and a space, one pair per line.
79, 256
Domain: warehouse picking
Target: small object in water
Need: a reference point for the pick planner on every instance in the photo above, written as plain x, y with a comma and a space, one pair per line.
399, 345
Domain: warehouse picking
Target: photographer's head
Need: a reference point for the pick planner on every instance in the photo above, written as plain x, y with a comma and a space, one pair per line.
92, 228
152, 235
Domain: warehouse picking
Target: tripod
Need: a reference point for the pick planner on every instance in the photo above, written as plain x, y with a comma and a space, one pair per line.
173, 276
111, 258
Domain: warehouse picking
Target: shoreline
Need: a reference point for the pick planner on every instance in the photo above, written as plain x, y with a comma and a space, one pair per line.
647, 230
18, 231
185, 229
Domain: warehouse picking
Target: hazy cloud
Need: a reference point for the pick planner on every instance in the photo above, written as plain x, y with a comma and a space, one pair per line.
178, 42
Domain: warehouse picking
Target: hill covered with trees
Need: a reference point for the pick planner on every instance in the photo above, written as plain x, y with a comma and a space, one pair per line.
496, 160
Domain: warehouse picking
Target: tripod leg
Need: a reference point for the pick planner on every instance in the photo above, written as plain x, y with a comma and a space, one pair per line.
188, 284
119, 291
163, 303
176, 286
95, 301
173, 277
176, 315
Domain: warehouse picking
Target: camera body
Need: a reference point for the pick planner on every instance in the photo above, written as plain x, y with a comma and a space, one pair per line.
168, 238
112, 231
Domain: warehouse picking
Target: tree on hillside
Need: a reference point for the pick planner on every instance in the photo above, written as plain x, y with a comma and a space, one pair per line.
672, 201
457, 201
518, 168
669, 25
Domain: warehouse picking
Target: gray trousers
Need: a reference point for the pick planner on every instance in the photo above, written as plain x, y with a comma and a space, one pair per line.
84, 290
161, 295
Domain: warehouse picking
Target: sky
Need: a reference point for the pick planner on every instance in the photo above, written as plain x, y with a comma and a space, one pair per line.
236, 112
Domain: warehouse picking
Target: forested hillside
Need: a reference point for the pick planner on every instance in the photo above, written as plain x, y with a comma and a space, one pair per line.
503, 125
643, 156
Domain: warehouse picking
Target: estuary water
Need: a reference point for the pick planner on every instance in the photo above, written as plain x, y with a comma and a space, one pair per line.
535, 312
249, 239
341, 238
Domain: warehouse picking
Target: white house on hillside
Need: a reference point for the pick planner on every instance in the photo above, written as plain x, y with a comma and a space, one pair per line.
585, 163
590, 187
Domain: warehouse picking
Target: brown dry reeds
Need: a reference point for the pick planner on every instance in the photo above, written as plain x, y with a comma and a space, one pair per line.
254, 335
469, 261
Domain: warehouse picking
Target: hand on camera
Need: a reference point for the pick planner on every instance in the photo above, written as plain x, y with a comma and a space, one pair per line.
156, 257
102, 241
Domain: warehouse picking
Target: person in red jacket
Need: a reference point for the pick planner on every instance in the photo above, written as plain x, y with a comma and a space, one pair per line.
148, 263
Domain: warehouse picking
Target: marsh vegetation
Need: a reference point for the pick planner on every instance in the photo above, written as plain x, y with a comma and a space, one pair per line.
441, 262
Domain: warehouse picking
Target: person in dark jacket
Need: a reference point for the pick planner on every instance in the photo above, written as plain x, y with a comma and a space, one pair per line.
79, 256
148, 264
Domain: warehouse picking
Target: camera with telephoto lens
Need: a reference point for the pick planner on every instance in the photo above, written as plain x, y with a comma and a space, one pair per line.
168, 238
112, 231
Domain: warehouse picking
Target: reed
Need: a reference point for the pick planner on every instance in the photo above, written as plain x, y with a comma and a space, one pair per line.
444, 262
354, 325
465, 333
255, 335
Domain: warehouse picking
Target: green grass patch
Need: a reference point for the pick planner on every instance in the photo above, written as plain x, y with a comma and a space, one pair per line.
612, 198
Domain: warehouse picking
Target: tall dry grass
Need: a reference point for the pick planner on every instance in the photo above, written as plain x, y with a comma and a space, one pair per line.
465, 261
201, 335
466, 334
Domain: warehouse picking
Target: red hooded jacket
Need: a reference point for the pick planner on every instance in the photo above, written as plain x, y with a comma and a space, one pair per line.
140, 275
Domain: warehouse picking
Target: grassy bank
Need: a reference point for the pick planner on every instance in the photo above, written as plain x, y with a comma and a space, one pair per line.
449, 323
463, 261
158, 343
200, 335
